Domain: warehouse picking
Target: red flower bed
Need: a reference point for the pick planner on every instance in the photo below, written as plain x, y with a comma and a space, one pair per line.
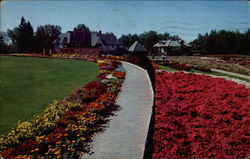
200, 116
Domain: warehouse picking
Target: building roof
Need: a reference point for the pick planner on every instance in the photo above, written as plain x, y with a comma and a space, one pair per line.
170, 43
109, 39
137, 47
64, 37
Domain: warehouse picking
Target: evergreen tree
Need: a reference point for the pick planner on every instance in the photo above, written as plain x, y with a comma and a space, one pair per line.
22, 36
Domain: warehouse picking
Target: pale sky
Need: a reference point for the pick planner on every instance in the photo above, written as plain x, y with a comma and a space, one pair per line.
184, 18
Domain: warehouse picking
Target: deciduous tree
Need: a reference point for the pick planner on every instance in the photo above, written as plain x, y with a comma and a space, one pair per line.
46, 36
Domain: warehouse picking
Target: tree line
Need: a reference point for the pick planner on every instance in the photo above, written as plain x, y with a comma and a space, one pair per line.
148, 39
25, 40
222, 42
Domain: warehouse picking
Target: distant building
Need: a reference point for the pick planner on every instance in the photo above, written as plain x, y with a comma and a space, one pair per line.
172, 47
75, 39
107, 43
137, 49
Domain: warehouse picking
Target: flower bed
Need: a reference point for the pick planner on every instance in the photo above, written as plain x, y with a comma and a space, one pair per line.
198, 61
199, 116
66, 127
111, 69
183, 66
77, 56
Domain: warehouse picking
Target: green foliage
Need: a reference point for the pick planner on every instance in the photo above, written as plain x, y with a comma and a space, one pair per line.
82, 27
148, 39
166, 68
4, 47
223, 42
26, 41
23, 36
129, 39
46, 35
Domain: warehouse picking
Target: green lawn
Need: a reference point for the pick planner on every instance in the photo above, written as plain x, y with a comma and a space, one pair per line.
219, 74
166, 68
28, 85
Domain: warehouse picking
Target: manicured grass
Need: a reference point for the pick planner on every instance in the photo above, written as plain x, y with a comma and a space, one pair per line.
28, 85
219, 74
168, 69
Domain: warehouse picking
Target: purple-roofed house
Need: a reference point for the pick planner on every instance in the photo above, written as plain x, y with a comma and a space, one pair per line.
108, 43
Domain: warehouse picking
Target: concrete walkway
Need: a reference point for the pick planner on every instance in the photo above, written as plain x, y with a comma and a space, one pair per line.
232, 73
126, 135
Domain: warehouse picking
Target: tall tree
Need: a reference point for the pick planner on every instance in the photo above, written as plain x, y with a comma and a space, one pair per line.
4, 47
222, 42
82, 27
129, 39
149, 39
22, 36
46, 36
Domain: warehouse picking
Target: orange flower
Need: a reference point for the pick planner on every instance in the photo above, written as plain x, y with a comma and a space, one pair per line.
57, 152
83, 138
53, 150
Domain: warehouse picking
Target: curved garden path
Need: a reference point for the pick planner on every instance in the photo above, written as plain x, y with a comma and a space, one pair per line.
127, 131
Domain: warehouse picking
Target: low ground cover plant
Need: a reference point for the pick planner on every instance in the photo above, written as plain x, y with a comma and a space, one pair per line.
199, 116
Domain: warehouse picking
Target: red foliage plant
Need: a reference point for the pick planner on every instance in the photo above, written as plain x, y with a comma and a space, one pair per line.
200, 116
88, 93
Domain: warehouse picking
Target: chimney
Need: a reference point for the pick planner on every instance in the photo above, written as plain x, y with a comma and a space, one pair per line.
100, 32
